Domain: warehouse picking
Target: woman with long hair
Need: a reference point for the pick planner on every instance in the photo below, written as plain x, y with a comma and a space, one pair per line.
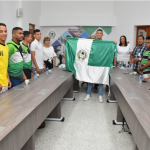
123, 51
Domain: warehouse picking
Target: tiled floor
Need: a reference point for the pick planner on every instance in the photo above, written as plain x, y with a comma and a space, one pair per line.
87, 126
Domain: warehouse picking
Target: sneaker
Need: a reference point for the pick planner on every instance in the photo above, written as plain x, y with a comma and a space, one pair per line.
42, 125
88, 97
101, 99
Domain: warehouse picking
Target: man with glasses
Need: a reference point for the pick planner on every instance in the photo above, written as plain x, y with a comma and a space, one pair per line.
137, 53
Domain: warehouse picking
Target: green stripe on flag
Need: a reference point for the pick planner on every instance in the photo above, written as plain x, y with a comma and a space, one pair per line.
102, 53
70, 53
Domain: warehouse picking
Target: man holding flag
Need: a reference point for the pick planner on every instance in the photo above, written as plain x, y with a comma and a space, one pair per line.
90, 61
99, 34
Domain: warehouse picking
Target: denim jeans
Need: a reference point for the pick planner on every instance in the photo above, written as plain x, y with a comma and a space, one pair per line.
15, 82
90, 85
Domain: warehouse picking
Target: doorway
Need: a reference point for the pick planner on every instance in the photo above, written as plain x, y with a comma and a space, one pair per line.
31, 29
142, 30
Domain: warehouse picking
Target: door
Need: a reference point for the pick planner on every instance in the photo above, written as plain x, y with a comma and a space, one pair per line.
142, 30
31, 29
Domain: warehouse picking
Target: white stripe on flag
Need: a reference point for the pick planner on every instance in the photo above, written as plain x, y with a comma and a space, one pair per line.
87, 73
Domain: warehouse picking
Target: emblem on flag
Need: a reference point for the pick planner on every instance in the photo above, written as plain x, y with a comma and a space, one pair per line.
82, 55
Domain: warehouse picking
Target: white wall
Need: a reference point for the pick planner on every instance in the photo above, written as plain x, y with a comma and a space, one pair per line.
77, 13
129, 15
8, 14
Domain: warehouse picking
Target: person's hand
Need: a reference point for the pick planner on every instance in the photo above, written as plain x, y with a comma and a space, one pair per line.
9, 84
24, 78
146, 79
38, 70
1, 87
135, 60
140, 72
32, 74
44, 68
115, 42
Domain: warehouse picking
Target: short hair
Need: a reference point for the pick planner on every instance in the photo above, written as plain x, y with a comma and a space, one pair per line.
26, 34
2, 24
148, 38
68, 36
36, 30
46, 39
16, 28
99, 30
92, 36
141, 36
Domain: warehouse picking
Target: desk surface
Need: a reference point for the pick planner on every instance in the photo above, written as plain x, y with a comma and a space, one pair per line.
17, 104
130, 84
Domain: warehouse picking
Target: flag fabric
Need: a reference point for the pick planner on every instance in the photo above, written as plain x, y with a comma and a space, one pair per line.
90, 60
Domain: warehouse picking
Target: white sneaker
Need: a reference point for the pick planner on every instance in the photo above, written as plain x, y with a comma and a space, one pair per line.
101, 99
88, 97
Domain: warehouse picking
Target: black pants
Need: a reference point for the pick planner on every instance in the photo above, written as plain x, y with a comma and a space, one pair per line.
48, 64
60, 58
27, 72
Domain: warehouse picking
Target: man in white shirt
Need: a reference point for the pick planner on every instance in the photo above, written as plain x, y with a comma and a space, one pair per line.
37, 53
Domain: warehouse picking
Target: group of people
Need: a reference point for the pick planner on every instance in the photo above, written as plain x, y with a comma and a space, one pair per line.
20, 57
139, 58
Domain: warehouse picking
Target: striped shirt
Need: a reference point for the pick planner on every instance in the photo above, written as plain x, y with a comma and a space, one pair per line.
138, 50
145, 59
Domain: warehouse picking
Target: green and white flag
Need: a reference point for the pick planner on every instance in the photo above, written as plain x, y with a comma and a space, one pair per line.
90, 60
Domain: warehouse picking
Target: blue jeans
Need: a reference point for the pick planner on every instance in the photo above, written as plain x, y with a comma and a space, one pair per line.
15, 82
90, 85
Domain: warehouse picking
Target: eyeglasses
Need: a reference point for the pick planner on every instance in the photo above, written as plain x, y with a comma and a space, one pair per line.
147, 42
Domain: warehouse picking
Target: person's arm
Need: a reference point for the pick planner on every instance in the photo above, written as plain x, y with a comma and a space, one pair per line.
146, 78
1, 87
44, 67
9, 83
55, 61
33, 58
140, 71
24, 76
130, 57
145, 66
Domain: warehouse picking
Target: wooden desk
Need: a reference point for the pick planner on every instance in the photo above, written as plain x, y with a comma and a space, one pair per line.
135, 111
23, 110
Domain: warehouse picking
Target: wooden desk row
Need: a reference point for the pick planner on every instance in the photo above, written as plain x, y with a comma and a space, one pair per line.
23, 110
133, 104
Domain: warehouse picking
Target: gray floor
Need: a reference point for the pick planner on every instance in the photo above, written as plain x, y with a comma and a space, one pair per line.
87, 126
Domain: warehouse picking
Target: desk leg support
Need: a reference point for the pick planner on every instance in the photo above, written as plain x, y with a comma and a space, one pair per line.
111, 101
119, 120
76, 87
136, 148
111, 98
30, 144
69, 95
55, 115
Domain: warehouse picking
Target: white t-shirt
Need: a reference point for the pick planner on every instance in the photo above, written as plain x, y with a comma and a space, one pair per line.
37, 47
48, 53
123, 53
